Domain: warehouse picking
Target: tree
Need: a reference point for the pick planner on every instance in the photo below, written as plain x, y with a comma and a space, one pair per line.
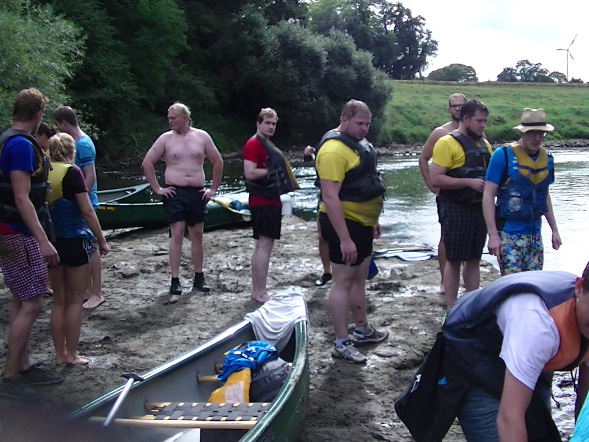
558, 77
454, 72
38, 49
526, 72
399, 42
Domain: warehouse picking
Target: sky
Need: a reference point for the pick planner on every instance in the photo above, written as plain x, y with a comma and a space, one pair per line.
490, 35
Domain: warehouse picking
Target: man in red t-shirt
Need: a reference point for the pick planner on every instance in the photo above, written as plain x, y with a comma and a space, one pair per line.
266, 212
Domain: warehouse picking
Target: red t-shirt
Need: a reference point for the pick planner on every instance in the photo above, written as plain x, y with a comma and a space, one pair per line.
254, 151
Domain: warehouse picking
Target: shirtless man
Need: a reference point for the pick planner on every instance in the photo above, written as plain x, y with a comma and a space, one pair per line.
455, 103
184, 150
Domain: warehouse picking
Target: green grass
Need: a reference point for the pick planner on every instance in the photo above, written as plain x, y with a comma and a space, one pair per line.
417, 107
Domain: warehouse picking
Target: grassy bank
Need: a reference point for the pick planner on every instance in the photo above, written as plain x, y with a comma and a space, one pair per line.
417, 107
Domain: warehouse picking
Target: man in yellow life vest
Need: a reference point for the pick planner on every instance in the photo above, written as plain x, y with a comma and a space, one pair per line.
516, 197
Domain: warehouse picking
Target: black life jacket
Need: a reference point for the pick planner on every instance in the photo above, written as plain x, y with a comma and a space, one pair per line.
363, 182
38, 193
476, 160
278, 180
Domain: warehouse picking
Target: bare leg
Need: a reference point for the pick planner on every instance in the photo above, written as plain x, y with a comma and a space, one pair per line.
451, 281
358, 294
57, 317
76, 280
442, 262
22, 318
323, 251
95, 284
175, 254
471, 275
196, 234
260, 263
339, 298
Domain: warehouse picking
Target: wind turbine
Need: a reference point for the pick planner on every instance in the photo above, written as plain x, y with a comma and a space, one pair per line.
568, 51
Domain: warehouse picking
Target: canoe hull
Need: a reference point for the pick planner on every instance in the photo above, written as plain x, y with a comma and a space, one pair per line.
176, 381
121, 214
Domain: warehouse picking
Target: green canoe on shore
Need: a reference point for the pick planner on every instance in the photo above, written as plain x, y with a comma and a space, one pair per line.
137, 206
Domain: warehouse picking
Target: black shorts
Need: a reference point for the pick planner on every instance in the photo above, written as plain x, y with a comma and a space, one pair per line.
74, 252
186, 205
464, 230
362, 237
266, 221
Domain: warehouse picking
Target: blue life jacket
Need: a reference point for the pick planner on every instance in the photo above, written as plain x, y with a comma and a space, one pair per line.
476, 160
523, 189
8, 211
362, 183
67, 219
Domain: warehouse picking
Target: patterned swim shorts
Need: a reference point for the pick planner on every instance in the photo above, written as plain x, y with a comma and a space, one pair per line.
25, 272
520, 253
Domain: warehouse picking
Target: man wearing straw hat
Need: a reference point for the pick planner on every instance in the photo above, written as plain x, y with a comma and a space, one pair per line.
516, 197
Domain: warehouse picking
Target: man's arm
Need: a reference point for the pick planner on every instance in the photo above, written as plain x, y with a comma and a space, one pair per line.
213, 155
21, 186
252, 172
489, 194
549, 215
333, 207
511, 419
443, 181
426, 155
152, 156
89, 172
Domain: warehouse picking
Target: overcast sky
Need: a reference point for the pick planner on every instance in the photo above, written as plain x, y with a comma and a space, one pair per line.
490, 35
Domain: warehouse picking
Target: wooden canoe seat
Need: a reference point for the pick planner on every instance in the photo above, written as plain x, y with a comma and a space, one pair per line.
199, 415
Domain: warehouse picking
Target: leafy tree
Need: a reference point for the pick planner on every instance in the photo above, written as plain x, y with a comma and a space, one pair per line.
39, 50
526, 72
576, 80
558, 77
454, 72
508, 75
399, 42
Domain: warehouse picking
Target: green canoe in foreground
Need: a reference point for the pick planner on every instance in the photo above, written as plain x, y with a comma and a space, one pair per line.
186, 382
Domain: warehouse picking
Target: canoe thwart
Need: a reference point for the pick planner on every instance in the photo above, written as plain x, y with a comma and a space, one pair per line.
210, 378
240, 415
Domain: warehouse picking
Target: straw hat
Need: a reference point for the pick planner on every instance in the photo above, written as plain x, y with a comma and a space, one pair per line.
534, 119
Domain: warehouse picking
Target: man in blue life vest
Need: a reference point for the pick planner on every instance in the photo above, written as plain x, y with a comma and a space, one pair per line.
351, 202
519, 175
503, 341
459, 163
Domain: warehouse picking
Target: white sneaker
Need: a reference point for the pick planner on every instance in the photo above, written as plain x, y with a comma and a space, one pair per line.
348, 353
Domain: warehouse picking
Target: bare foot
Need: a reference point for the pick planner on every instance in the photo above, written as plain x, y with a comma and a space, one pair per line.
261, 298
441, 290
79, 360
94, 301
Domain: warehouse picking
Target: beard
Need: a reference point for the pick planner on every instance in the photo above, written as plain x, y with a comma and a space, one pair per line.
473, 135
456, 119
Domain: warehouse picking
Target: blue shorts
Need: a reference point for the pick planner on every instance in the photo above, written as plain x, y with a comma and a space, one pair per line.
186, 205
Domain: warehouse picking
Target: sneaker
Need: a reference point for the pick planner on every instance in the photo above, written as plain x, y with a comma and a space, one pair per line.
200, 285
348, 353
373, 337
36, 376
175, 288
15, 389
325, 278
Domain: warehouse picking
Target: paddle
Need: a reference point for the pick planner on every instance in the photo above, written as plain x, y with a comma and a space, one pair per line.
131, 378
234, 206
420, 254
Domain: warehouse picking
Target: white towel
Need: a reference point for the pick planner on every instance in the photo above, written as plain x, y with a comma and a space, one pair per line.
275, 320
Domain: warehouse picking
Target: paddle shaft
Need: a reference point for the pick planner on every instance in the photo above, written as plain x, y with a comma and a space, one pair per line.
131, 378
